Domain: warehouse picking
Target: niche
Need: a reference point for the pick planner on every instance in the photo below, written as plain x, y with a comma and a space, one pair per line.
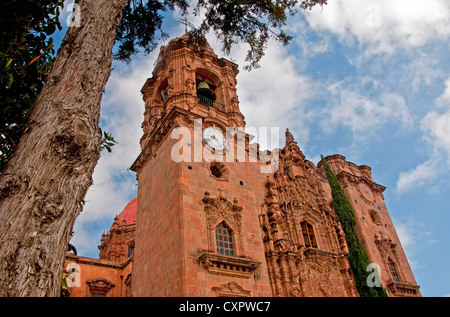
375, 217
219, 170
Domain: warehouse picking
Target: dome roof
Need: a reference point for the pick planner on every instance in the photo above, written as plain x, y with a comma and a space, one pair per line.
128, 215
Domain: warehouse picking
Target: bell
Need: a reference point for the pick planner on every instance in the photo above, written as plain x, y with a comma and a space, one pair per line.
203, 86
204, 90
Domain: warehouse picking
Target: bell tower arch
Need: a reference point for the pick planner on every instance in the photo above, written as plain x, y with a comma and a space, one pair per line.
181, 203
190, 78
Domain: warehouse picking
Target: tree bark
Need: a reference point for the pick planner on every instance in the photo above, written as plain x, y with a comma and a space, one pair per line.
43, 185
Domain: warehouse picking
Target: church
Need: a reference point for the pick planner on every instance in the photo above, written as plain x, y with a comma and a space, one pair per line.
217, 216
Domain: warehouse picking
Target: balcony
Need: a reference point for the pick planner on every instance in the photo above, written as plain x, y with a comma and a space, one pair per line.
211, 103
403, 289
228, 265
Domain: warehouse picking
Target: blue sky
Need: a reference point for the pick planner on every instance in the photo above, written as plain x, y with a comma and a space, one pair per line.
369, 80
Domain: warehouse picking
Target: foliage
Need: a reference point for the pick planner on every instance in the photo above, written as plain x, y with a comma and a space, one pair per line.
233, 21
26, 57
251, 21
108, 142
357, 255
140, 23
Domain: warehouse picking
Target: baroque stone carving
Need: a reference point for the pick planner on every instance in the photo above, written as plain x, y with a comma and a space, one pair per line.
294, 195
190, 86
100, 286
231, 289
220, 209
403, 289
386, 247
227, 265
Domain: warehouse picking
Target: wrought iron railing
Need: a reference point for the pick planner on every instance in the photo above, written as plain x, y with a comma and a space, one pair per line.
211, 103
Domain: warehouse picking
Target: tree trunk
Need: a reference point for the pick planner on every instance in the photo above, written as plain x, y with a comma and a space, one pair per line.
45, 181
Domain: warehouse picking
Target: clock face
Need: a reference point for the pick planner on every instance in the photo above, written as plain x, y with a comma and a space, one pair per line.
213, 136
366, 192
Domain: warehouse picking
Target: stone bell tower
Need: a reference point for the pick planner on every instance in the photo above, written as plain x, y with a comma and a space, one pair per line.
191, 78
197, 231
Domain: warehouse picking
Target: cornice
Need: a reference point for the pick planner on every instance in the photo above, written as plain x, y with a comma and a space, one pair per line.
99, 262
154, 139
346, 178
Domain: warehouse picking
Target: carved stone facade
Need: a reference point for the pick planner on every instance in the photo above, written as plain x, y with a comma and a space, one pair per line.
305, 245
208, 225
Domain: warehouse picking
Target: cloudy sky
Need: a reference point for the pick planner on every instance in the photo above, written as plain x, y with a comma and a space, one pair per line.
369, 80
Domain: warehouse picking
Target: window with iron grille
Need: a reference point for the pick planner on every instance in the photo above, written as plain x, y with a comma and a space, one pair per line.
308, 235
393, 270
224, 240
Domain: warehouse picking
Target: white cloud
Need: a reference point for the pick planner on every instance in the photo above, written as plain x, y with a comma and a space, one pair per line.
275, 94
444, 100
436, 128
406, 235
388, 40
437, 131
348, 107
417, 177
423, 70
413, 236
308, 41
384, 25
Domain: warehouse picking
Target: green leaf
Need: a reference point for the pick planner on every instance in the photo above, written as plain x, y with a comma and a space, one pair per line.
8, 64
9, 80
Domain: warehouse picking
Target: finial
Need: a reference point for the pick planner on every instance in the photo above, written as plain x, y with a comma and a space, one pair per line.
289, 137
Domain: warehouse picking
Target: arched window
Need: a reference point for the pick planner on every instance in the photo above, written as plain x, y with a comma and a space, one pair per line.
308, 234
393, 270
224, 240
206, 92
128, 290
130, 250
208, 87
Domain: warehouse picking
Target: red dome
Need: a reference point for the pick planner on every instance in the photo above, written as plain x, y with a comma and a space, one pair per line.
128, 215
